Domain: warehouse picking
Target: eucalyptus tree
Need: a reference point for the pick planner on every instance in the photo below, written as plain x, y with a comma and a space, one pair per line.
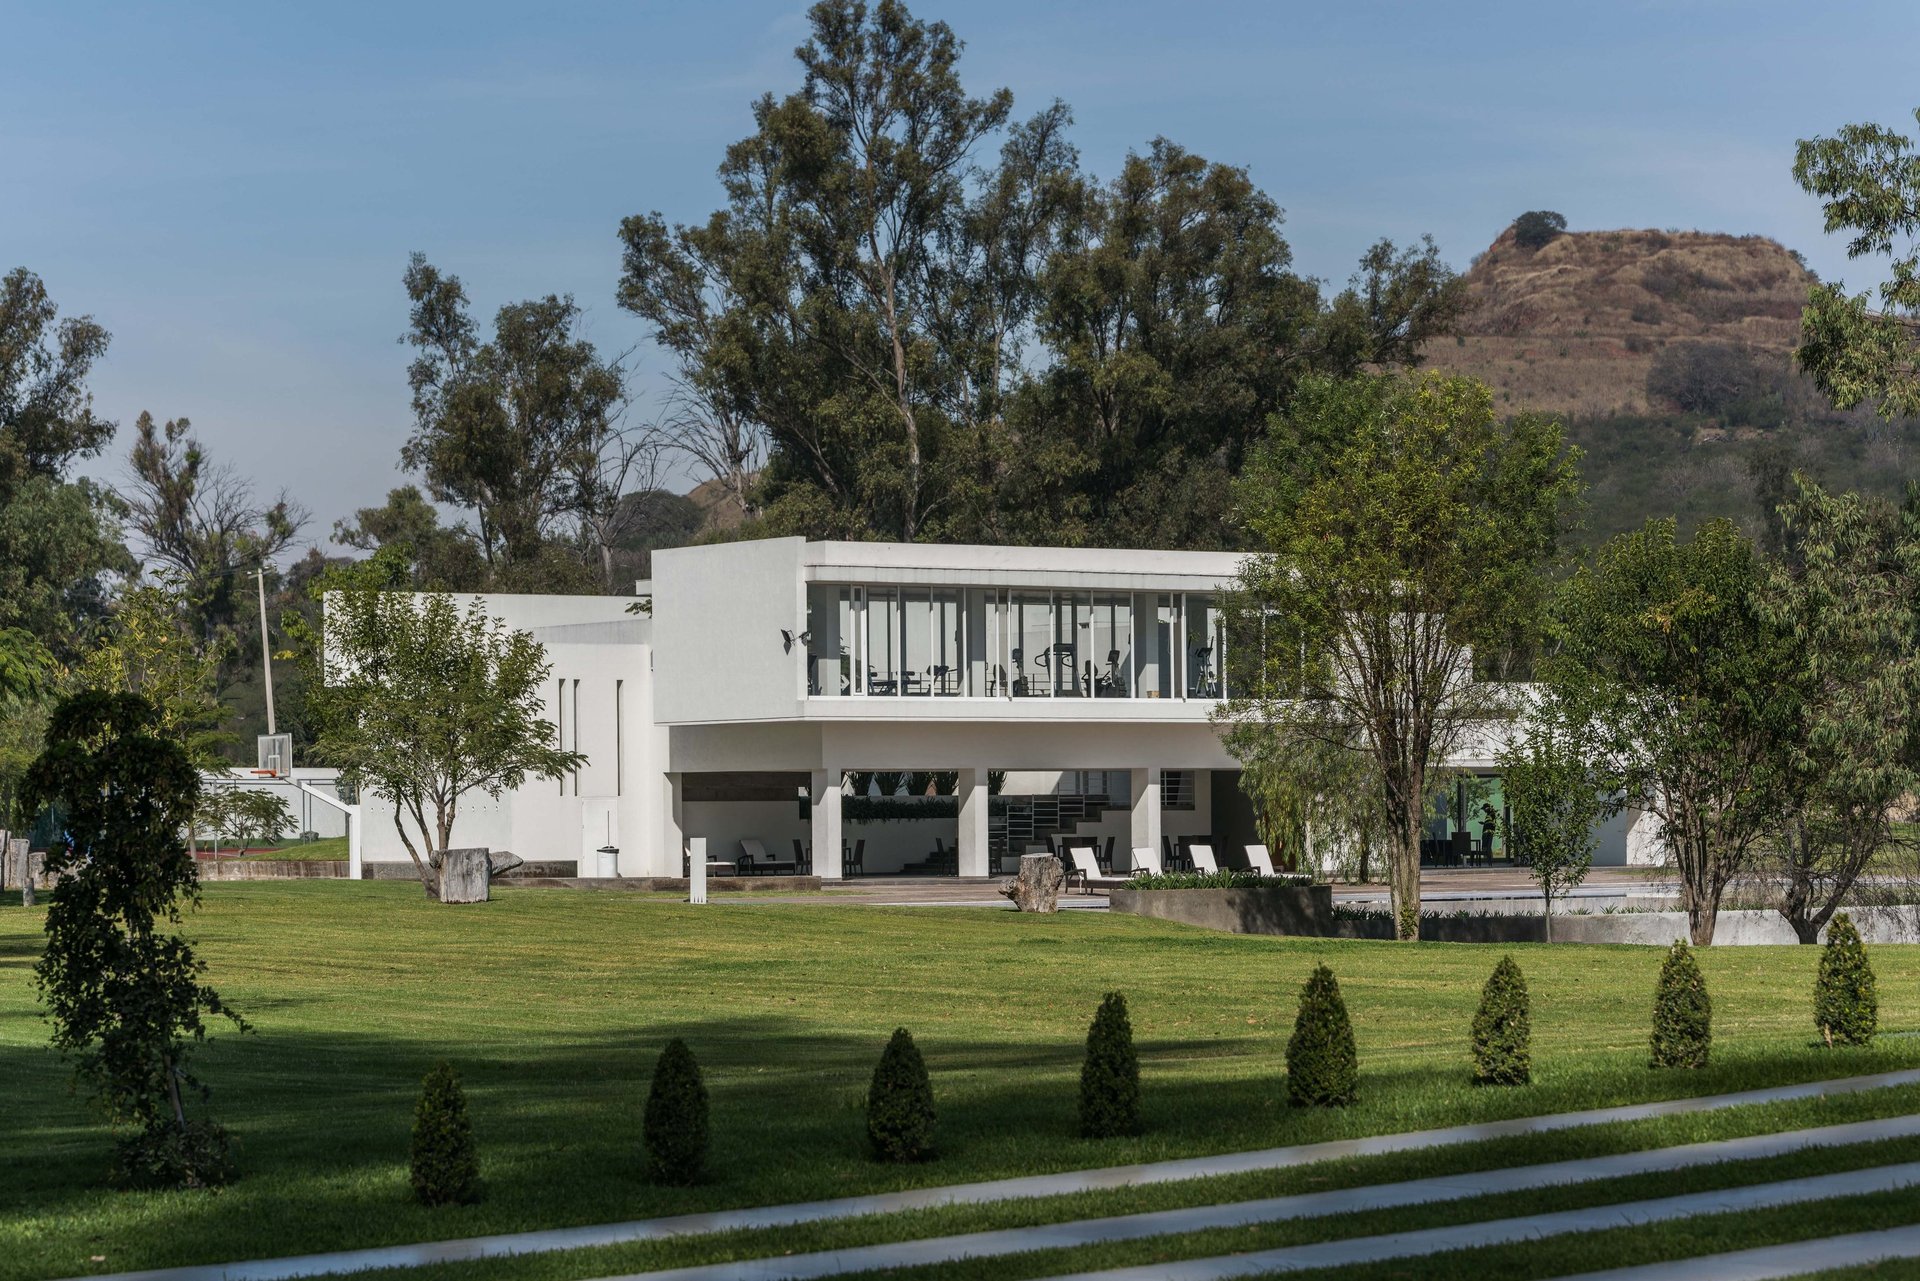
1845, 597
1402, 529
1868, 179
1682, 688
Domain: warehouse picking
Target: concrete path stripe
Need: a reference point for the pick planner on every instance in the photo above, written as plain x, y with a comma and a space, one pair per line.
419, 1254
1134, 1227
1769, 1262
1467, 1236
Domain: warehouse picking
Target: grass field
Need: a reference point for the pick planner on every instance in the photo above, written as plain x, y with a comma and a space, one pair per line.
554, 1003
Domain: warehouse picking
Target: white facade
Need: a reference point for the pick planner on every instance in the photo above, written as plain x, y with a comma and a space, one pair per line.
770, 671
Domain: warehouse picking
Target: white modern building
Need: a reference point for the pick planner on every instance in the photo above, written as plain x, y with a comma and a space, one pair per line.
876, 708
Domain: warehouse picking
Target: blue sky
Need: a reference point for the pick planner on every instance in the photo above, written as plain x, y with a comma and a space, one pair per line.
233, 189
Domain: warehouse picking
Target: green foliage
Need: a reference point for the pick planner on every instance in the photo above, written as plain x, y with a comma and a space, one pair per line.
1673, 682
1538, 227
865, 305
1868, 179
1375, 501
1227, 878
439, 558
676, 1119
1845, 1008
1323, 1069
1682, 1014
1110, 1076
442, 1165
1552, 799
1503, 1029
1737, 386
423, 703
125, 997
900, 1117
245, 816
152, 649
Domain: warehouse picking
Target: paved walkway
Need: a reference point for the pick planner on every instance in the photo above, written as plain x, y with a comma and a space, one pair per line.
1072, 1181
1311, 1205
1768, 1262
1467, 1236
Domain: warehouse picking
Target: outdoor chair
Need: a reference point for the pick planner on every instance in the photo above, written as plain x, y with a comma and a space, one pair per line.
852, 864
1202, 858
1145, 859
802, 860
1085, 866
754, 859
1106, 859
1259, 860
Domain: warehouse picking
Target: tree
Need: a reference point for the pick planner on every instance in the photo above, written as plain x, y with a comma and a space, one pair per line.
57, 536
1402, 530
676, 1117
1110, 1074
1842, 594
900, 1116
1845, 1007
1678, 685
1868, 180
1323, 1069
151, 648
1503, 1029
423, 703
126, 997
1537, 228
442, 1165
439, 558
1682, 1012
199, 519
1315, 802
1554, 801
509, 429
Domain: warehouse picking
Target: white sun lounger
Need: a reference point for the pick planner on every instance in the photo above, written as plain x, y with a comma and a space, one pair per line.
1085, 865
1202, 856
1260, 861
1145, 859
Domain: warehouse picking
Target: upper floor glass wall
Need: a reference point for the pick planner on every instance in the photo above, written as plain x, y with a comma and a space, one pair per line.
904, 642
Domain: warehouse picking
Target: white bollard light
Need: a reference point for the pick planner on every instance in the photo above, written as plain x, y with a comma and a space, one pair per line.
696, 869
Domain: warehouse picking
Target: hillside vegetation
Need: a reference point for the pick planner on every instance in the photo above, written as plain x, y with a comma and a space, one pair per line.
1669, 356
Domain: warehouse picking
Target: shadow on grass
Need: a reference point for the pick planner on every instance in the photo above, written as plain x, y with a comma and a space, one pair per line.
321, 1125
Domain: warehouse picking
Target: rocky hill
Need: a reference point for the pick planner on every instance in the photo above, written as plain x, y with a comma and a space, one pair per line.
1573, 326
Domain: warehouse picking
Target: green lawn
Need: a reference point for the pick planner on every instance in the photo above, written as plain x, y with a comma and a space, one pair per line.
554, 1003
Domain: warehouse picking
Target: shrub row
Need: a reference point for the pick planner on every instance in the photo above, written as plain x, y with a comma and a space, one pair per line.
1323, 1068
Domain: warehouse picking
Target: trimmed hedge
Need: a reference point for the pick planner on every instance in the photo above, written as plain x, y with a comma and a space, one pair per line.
900, 1117
1110, 1076
1503, 1029
1682, 1013
675, 1128
1323, 1069
444, 1168
1845, 1006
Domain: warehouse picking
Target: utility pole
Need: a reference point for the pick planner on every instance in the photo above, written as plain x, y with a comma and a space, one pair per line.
266, 651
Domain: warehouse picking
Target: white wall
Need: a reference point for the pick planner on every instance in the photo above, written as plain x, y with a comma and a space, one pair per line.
718, 612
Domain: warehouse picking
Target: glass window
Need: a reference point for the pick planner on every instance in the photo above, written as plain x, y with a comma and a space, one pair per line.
1160, 648
916, 641
1073, 619
830, 635
948, 636
883, 641
985, 658
1111, 653
1206, 647
1030, 651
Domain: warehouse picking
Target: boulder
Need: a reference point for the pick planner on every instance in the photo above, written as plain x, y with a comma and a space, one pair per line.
1037, 887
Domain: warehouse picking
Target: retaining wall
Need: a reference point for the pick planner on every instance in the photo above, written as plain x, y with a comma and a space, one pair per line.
1263, 909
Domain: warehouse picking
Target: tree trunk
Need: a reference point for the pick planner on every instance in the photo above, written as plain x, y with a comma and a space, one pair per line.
1037, 888
1405, 871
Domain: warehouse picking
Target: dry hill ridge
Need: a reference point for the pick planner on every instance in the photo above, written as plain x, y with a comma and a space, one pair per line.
1572, 327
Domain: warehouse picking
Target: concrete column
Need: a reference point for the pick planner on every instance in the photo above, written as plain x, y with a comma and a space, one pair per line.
976, 858
673, 836
1146, 812
825, 791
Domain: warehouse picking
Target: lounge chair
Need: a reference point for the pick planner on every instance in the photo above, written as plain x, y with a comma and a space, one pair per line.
1082, 864
755, 861
1145, 859
1202, 856
1260, 861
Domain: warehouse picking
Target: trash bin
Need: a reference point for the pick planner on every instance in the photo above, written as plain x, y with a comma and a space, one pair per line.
609, 860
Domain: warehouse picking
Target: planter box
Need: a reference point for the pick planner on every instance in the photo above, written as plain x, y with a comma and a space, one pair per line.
1262, 909
271, 869
1740, 928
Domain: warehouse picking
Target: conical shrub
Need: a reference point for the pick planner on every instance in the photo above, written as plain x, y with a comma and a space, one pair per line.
1110, 1077
1682, 1014
1845, 1008
1322, 1068
444, 1167
1503, 1029
675, 1128
900, 1103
